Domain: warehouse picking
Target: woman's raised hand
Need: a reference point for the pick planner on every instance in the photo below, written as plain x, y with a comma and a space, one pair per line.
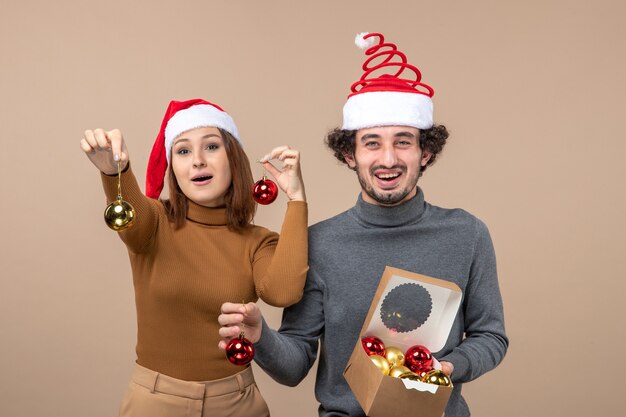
105, 149
289, 178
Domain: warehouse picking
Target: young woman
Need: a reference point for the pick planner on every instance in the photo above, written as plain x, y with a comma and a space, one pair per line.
196, 250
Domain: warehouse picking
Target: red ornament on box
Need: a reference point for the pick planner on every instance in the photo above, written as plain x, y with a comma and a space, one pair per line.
417, 358
240, 351
373, 345
421, 372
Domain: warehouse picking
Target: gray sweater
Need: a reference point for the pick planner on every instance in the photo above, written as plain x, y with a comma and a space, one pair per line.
347, 256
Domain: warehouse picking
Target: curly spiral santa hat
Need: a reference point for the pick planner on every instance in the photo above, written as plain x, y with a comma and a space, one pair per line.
399, 98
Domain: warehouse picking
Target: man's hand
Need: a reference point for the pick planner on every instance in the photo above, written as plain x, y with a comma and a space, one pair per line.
447, 368
236, 318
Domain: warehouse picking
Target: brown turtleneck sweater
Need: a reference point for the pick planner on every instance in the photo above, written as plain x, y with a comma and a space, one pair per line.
183, 276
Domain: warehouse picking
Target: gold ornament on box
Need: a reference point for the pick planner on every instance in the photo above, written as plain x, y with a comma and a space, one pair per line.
394, 356
120, 214
410, 375
381, 363
399, 370
437, 377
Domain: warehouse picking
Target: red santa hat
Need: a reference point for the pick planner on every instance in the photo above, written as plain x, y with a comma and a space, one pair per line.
387, 99
180, 117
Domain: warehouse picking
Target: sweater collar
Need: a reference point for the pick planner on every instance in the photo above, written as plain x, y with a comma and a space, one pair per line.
408, 212
210, 216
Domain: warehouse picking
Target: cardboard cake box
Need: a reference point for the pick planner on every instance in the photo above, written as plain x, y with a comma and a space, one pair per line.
408, 309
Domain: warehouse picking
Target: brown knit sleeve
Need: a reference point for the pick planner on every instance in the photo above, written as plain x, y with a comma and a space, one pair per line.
280, 267
140, 235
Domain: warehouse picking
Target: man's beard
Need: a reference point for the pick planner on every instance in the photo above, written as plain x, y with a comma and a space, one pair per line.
387, 197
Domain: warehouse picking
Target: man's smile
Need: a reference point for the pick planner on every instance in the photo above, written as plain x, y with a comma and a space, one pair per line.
388, 178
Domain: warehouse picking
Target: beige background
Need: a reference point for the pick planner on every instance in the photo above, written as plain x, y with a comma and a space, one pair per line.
533, 93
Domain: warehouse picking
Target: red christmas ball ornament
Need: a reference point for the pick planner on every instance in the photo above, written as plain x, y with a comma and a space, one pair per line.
240, 351
421, 372
417, 358
264, 191
373, 345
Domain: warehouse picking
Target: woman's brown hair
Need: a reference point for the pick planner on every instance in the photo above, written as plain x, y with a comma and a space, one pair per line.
240, 207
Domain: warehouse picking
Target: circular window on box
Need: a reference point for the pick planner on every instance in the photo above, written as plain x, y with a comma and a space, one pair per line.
406, 307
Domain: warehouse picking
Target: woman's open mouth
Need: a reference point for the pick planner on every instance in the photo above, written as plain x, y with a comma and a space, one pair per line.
202, 179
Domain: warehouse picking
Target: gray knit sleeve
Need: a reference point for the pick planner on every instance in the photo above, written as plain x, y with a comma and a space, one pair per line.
485, 342
288, 354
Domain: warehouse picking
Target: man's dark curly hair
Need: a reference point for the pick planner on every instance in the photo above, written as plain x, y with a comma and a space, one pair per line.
341, 142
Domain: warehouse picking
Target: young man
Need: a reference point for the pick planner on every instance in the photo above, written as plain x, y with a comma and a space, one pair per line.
388, 139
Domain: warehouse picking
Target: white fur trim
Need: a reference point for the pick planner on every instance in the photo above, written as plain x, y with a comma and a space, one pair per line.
388, 108
200, 115
364, 43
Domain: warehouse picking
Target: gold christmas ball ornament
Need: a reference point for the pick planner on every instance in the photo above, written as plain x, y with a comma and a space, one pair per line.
394, 356
410, 375
437, 377
119, 215
381, 363
399, 370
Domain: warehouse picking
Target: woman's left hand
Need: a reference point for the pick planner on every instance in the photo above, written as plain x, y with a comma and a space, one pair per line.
289, 178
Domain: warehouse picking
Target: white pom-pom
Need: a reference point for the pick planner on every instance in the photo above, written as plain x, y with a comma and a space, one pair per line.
362, 43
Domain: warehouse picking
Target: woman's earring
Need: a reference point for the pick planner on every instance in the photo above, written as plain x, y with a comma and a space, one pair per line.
264, 191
